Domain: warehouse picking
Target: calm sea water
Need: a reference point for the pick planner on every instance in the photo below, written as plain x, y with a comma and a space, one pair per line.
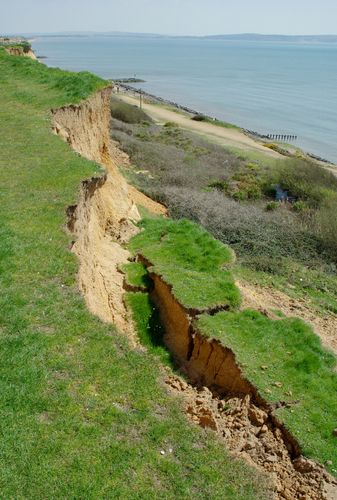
268, 87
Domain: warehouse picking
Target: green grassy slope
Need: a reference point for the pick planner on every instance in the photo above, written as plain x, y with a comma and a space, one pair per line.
81, 414
189, 259
284, 359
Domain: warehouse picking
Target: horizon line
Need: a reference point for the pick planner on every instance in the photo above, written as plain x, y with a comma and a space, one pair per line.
117, 32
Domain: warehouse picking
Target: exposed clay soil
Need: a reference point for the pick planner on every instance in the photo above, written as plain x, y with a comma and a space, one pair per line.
18, 51
106, 213
267, 299
249, 433
218, 397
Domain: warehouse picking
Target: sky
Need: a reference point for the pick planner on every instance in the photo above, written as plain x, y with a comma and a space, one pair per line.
173, 17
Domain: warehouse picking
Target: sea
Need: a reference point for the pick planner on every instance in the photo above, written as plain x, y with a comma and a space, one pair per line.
268, 87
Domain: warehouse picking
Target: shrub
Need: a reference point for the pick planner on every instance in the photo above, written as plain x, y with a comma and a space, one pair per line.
248, 229
272, 205
199, 118
307, 181
327, 226
127, 113
299, 206
179, 178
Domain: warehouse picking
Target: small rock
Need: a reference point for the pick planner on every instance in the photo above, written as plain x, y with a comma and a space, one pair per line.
249, 445
277, 384
264, 367
263, 429
334, 432
257, 416
170, 450
162, 452
207, 420
304, 465
226, 434
287, 494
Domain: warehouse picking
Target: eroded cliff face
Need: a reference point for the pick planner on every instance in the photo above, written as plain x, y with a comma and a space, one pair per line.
86, 126
219, 397
19, 51
105, 215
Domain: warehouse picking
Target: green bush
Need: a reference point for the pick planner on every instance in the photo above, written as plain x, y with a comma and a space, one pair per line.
272, 205
199, 118
307, 181
327, 226
127, 113
299, 206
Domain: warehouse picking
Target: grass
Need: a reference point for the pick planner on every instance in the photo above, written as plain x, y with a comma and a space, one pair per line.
81, 414
315, 286
292, 355
149, 328
189, 260
136, 275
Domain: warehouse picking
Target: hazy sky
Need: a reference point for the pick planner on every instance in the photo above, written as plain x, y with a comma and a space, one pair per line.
170, 16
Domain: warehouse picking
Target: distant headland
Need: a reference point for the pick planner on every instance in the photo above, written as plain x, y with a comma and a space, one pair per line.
248, 37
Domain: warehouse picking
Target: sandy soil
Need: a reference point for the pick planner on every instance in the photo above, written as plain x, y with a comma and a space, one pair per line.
226, 136
248, 433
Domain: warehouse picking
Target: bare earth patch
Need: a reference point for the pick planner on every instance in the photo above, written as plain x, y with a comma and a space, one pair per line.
248, 434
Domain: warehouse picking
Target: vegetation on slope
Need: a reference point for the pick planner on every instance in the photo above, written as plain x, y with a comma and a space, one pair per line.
292, 246
136, 275
189, 260
282, 358
81, 414
285, 361
127, 113
148, 325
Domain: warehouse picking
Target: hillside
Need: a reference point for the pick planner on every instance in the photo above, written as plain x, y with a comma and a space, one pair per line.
115, 321
84, 414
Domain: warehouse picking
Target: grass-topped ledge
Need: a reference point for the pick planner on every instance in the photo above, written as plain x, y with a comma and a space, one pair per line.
290, 369
189, 260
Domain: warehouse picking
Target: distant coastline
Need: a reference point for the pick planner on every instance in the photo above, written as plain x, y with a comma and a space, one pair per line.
260, 86
246, 37
180, 107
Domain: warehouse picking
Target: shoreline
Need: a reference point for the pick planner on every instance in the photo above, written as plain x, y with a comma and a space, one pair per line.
256, 136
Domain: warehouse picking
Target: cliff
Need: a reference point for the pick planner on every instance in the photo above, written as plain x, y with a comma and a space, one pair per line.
20, 51
105, 214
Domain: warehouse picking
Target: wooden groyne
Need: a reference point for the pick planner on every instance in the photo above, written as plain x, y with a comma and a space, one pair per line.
281, 137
